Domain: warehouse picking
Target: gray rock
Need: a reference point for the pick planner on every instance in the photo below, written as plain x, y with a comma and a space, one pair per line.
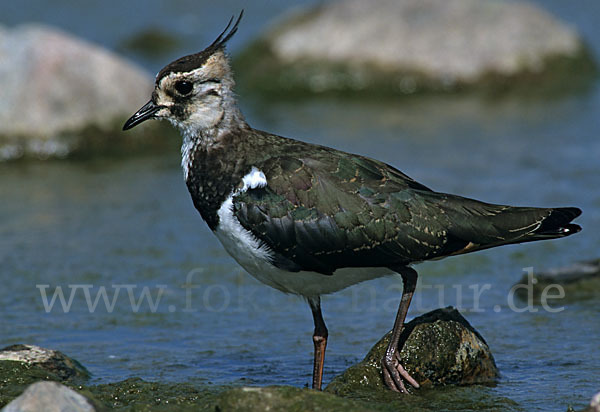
440, 348
578, 281
409, 45
595, 403
49, 360
55, 87
49, 397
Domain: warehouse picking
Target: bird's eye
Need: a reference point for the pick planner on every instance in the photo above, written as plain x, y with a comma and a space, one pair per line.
183, 87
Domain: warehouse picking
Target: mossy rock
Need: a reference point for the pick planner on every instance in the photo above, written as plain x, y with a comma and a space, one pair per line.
15, 377
135, 394
440, 348
289, 399
56, 363
392, 48
72, 98
579, 281
93, 141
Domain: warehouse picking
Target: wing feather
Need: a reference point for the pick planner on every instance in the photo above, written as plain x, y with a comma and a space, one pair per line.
330, 209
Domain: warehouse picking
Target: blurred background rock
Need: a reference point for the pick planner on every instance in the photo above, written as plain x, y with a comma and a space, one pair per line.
412, 46
59, 92
64, 93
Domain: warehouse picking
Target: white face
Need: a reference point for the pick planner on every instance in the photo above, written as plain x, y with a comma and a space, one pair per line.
193, 101
194, 110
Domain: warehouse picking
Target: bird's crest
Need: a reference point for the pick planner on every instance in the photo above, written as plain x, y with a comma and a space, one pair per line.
193, 61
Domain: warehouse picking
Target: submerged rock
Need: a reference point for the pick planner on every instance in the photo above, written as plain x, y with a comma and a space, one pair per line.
61, 94
407, 46
578, 281
49, 397
137, 394
440, 348
16, 379
53, 361
287, 398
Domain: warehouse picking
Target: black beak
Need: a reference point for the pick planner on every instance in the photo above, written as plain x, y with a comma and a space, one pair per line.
145, 113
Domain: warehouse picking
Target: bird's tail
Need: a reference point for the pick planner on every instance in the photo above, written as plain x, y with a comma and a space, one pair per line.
483, 225
558, 224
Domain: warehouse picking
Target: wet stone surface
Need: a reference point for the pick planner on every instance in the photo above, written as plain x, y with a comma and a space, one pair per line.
440, 348
55, 362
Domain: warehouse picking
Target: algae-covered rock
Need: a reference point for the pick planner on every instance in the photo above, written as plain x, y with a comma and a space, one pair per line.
23, 365
53, 361
141, 395
16, 376
130, 394
286, 399
403, 47
63, 95
440, 348
49, 397
578, 281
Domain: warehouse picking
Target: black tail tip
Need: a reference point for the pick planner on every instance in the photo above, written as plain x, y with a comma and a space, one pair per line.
569, 229
558, 222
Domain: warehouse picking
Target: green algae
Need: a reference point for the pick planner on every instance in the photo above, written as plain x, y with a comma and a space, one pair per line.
92, 141
287, 398
16, 376
135, 394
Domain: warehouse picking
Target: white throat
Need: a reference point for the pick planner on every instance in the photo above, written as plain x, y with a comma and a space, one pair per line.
205, 134
187, 149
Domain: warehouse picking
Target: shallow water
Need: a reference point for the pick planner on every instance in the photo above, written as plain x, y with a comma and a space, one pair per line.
128, 224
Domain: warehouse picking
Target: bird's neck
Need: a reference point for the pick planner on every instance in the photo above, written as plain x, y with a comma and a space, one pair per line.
216, 123
214, 164
231, 121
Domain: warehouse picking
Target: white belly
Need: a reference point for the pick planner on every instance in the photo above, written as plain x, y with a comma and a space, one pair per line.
255, 258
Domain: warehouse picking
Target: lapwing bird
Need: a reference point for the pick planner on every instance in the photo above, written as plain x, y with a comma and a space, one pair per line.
311, 220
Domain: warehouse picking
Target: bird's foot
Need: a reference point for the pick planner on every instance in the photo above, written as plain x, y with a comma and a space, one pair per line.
393, 372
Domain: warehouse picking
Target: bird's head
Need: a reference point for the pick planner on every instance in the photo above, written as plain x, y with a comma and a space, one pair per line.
194, 92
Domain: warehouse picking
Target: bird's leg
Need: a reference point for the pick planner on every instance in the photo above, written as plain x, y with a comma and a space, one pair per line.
320, 341
393, 372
